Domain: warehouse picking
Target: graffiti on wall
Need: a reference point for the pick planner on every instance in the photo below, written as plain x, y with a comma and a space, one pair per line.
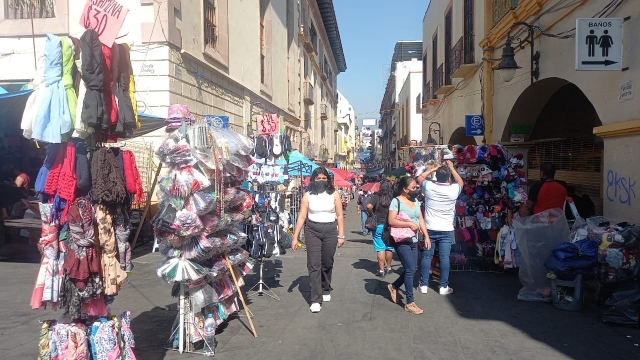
620, 188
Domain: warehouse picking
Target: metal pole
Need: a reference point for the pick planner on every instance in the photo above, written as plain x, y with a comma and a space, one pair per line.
33, 39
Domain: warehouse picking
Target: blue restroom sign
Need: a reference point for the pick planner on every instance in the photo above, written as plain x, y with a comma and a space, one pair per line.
474, 125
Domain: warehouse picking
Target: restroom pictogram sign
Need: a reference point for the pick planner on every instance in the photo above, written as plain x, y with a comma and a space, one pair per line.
599, 44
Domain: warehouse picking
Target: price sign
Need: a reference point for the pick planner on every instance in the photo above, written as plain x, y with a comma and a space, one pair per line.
267, 124
105, 17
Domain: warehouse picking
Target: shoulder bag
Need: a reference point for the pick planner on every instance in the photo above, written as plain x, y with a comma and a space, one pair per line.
401, 234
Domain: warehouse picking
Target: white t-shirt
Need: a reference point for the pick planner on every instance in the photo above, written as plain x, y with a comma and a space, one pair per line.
440, 205
322, 208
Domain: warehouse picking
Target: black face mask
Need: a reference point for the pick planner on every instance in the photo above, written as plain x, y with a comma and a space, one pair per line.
413, 194
319, 185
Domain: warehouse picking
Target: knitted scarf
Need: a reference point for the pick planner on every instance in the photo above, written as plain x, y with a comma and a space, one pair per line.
132, 176
109, 98
108, 185
49, 161
51, 186
93, 113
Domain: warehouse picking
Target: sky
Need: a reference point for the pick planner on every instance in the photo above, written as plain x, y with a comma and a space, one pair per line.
369, 29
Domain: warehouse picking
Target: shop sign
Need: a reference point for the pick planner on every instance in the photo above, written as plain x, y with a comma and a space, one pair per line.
267, 124
517, 137
599, 44
626, 91
105, 17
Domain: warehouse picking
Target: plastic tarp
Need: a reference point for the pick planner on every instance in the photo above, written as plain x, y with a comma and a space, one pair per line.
623, 307
300, 165
12, 106
536, 237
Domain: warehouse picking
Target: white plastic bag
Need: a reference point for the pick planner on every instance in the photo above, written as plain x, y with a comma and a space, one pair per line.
536, 236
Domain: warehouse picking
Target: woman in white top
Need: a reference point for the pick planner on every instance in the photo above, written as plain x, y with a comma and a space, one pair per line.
320, 209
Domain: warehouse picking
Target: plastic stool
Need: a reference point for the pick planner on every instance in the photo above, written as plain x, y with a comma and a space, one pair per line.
577, 297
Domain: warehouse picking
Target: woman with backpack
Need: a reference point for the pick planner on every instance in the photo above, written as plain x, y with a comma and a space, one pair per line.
378, 206
407, 204
323, 221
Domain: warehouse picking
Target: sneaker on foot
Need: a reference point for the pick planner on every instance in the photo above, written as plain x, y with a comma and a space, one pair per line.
388, 270
413, 308
315, 308
326, 298
381, 273
446, 291
393, 292
424, 289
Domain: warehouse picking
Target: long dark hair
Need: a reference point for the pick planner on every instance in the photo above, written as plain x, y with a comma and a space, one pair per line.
402, 184
317, 187
385, 194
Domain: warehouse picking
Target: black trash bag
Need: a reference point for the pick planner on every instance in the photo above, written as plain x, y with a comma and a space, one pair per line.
631, 236
623, 307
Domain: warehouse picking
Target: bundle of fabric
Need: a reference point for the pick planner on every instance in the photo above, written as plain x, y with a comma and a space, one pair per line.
61, 182
111, 106
126, 120
67, 78
108, 184
93, 108
112, 273
570, 259
47, 287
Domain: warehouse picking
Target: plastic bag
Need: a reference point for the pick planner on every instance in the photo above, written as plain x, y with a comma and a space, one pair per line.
536, 236
623, 307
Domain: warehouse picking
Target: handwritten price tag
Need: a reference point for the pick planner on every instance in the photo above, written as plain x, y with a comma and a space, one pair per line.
105, 17
267, 124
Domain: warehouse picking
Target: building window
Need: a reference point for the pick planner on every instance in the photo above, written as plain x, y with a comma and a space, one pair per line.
434, 61
16, 9
447, 48
210, 27
263, 45
468, 32
313, 34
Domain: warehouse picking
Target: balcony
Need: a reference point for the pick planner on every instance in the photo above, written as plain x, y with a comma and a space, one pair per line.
308, 93
461, 67
26, 10
324, 114
438, 83
501, 8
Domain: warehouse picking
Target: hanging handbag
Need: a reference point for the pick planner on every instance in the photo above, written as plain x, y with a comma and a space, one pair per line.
371, 223
401, 234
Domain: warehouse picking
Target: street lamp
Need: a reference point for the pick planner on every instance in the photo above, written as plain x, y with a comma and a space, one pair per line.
430, 139
508, 64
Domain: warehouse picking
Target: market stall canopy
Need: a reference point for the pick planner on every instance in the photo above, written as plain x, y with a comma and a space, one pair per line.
345, 174
372, 186
338, 181
374, 172
12, 105
300, 165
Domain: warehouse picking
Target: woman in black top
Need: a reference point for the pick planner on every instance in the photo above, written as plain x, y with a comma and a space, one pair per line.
378, 206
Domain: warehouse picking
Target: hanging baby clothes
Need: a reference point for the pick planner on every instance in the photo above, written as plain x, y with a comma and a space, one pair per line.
67, 78
33, 102
53, 118
112, 274
93, 108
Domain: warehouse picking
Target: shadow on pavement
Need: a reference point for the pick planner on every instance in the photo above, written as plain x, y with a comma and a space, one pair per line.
302, 283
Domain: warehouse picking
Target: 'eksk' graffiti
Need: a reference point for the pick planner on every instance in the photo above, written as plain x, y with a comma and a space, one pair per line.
620, 188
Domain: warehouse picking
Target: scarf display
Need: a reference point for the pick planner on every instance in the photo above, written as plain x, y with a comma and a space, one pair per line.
33, 102
47, 165
107, 183
111, 107
53, 118
93, 108
126, 50
112, 274
126, 120
67, 78
83, 170
47, 286
132, 176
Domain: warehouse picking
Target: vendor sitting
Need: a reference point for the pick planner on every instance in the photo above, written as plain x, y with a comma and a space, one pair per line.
12, 195
22, 180
547, 194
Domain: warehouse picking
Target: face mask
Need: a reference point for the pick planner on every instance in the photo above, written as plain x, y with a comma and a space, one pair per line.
414, 194
320, 185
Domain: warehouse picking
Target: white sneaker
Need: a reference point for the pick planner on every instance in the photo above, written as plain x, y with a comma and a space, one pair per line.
315, 308
424, 289
326, 298
446, 291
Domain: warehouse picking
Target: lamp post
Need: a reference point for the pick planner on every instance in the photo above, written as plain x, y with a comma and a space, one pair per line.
430, 139
508, 65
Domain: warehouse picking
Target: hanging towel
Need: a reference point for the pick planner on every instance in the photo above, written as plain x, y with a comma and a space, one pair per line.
93, 108
67, 79
111, 107
34, 100
132, 84
53, 117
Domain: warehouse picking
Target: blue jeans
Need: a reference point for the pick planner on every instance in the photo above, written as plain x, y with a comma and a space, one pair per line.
363, 218
408, 254
444, 240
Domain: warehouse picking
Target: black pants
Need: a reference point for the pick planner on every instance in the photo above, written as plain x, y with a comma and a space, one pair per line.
321, 240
